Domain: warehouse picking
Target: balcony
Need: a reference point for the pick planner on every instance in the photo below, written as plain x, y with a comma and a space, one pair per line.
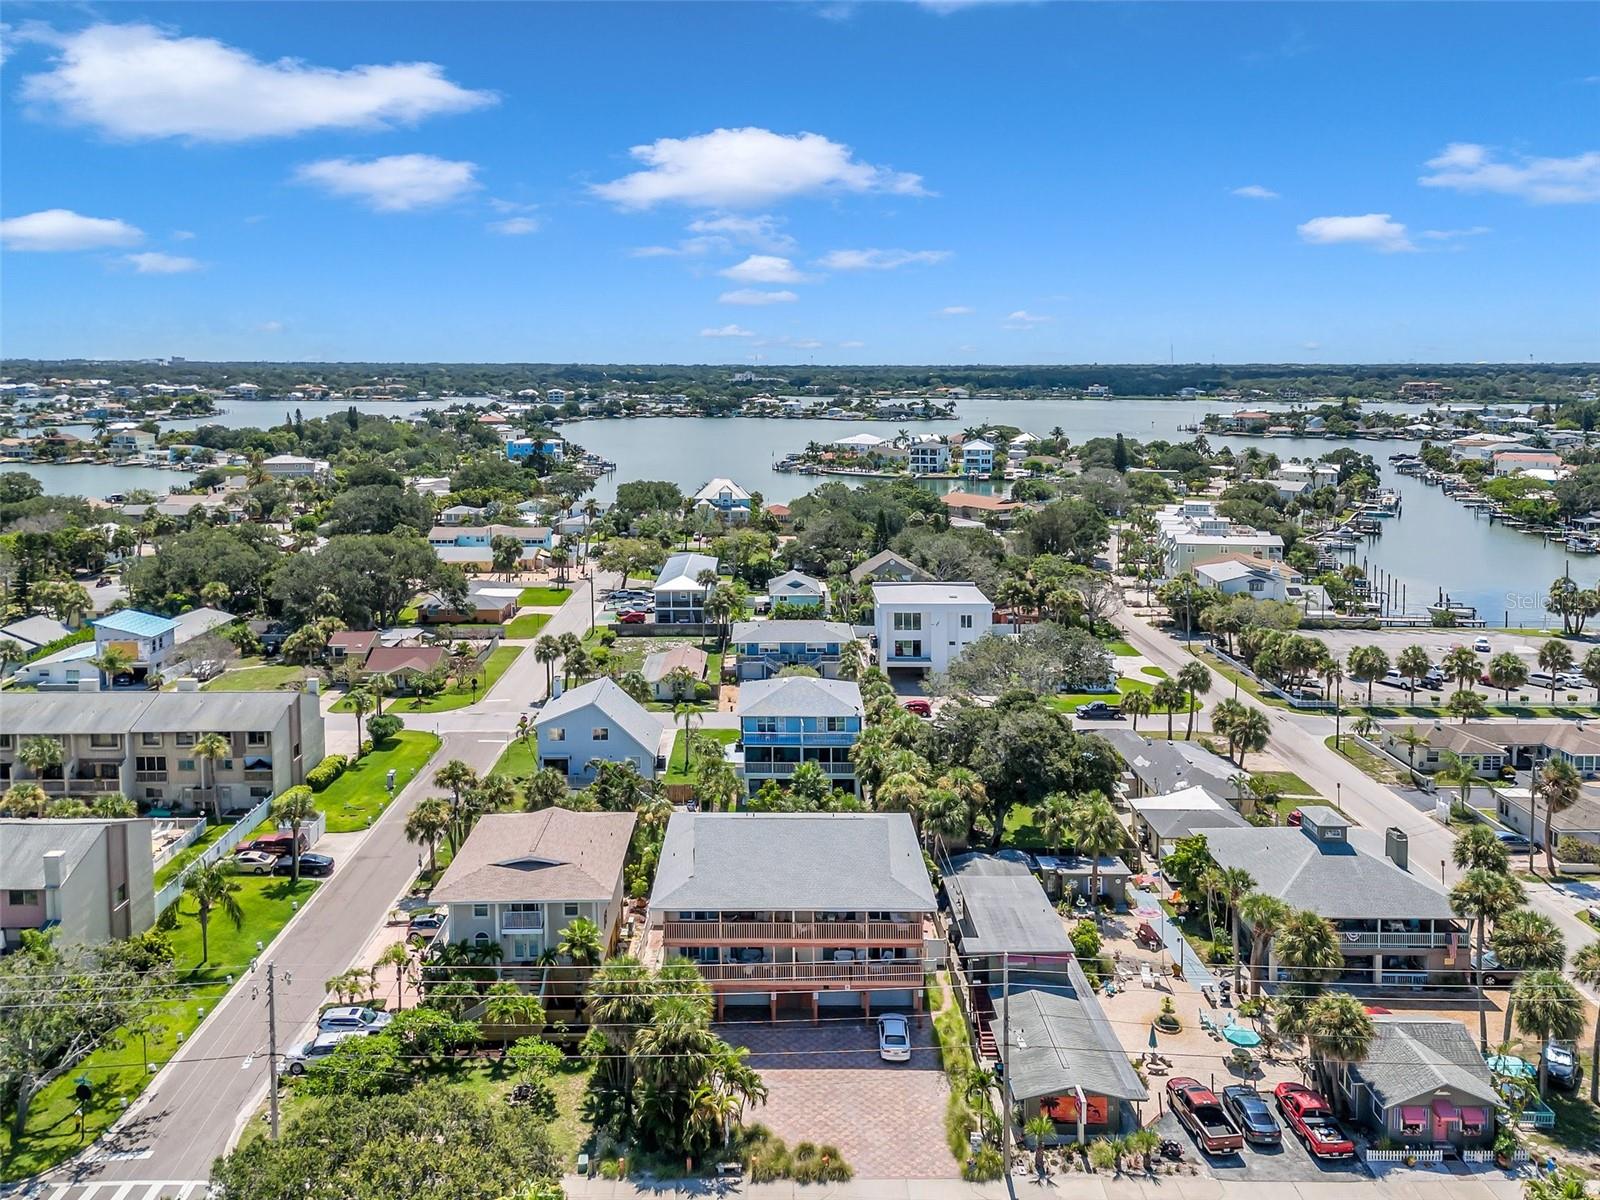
1418, 939
782, 770
258, 776
800, 737
522, 921
812, 976
758, 933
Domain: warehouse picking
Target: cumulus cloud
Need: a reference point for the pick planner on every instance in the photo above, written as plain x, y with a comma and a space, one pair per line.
727, 331
1450, 235
515, 226
760, 232
957, 310
1469, 167
878, 260
1023, 319
395, 183
746, 168
755, 297
1254, 191
153, 262
63, 229
763, 268
137, 81
1376, 230
182, 235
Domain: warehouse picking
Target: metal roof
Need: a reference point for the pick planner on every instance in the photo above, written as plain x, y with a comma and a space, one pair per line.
135, 623
1058, 1039
1003, 906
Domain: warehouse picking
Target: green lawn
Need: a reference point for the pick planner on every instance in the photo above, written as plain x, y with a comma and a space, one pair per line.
189, 853
1284, 783
454, 696
119, 1073
256, 679
1125, 649
1370, 764
1019, 830
675, 768
355, 799
1437, 711
1245, 683
543, 597
1124, 686
520, 757
527, 625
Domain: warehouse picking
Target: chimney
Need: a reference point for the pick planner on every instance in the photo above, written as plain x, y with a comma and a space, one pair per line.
314, 685
53, 860
1397, 845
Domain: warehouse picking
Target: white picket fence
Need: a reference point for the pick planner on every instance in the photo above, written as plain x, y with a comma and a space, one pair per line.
1483, 1156
1423, 1158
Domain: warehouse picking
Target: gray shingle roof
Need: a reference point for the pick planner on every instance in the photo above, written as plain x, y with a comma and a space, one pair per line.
1333, 881
141, 712
1181, 822
35, 631
1412, 1057
24, 843
552, 854
817, 861
1004, 906
1164, 766
773, 632
799, 696
609, 698
890, 562
1059, 1039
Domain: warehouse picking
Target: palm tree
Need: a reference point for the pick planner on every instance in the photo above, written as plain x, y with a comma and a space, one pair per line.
546, 650
1459, 772
580, 943
428, 822
1413, 739
294, 808
1195, 680
507, 1004
1477, 848
40, 755
1168, 694
1367, 663
1338, 1032
208, 748
23, 799
545, 788
398, 956
1096, 832
1053, 816
380, 685
361, 700
1461, 665
1413, 662
458, 777
1586, 970
1548, 1008
1555, 658
1265, 914
212, 888
114, 660
1038, 1128
1233, 885
1561, 788
688, 714
1251, 731
1506, 671
1526, 941
1483, 897
1136, 704
1308, 946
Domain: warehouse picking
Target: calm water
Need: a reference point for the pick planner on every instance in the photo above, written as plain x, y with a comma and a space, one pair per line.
1435, 544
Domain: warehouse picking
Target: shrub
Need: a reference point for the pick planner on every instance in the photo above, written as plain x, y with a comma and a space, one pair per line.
1086, 939
982, 1167
381, 729
607, 636
600, 656
326, 771
702, 691
1570, 849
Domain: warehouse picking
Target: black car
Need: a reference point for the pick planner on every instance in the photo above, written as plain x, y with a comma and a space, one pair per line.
1563, 1066
310, 864
1250, 1112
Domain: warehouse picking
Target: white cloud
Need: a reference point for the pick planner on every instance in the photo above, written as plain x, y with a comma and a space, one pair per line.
1023, 319
804, 344
878, 260
1254, 191
945, 7
1450, 235
515, 226
270, 327
182, 235
727, 331
851, 345
396, 183
957, 310
761, 232
763, 268
137, 81
1377, 230
755, 297
1469, 167
63, 229
742, 168
153, 262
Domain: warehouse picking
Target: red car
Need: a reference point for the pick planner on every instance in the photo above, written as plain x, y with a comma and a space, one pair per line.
632, 618
1201, 1113
917, 708
1308, 1115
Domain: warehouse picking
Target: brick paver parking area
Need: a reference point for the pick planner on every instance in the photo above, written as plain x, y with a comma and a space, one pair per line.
827, 1085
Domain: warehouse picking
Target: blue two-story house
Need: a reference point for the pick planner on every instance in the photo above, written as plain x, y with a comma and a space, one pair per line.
793, 719
763, 648
553, 448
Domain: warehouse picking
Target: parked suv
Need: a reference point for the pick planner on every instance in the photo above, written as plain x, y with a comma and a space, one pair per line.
364, 1020
314, 1050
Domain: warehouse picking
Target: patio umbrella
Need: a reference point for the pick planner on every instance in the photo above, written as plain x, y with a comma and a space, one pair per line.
1153, 1042
1238, 1035
1146, 911
1510, 1064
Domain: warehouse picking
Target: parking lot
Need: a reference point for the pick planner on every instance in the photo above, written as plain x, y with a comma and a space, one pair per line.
1288, 1162
827, 1085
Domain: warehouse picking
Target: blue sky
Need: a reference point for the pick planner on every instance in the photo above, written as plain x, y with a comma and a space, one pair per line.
776, 182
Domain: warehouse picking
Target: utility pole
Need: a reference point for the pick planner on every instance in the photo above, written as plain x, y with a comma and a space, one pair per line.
272, 1049
1005, 1063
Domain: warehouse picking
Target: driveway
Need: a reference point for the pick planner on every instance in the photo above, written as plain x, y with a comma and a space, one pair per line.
1288, 1162
827, 1085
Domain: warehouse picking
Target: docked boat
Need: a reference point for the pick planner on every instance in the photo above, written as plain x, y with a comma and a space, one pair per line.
1582, 543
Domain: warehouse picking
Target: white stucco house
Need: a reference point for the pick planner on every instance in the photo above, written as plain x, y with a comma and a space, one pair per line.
924, 626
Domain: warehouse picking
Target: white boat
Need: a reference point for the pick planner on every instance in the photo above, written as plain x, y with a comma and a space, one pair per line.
1582, 543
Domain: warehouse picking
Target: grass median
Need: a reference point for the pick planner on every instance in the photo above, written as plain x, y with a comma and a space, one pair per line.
457, 695
359, 796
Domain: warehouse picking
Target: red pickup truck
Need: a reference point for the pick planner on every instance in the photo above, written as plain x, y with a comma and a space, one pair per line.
1199, 1110
1308, 1115
274, 843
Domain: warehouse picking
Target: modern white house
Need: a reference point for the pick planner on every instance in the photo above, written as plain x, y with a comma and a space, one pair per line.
85, 880
977, 457
599, 721
1260, 579
925, 626
294, 466
798, 590
929, 458
680, 597
148, 639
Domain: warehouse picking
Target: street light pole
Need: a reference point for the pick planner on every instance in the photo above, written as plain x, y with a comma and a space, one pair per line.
272, 1048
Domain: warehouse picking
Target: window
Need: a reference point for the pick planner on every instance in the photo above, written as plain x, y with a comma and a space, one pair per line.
834, 724
907, 621
966, 620
255, 738
74, 676
186, 764
556, 734
1257, 585
150, 739
601, 734
6, 740
27, 897
570, 910
150, 762
480, 910
104, 741
480, 938
185, 739
122, 895
908, 649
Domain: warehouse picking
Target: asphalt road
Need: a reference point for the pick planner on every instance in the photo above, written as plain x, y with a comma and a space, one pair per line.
196, 1105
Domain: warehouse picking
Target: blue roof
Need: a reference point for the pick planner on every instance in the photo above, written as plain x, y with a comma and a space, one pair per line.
135, 623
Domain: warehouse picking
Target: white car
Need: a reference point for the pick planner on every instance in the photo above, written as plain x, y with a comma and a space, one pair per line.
894, 1038
309, 1053
1481, 645
254, 862
362, 1020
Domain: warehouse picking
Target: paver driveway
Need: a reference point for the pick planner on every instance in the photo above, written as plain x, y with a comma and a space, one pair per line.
827, 1085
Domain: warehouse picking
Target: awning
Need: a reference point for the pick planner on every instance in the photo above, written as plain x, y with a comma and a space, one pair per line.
1444, 1108
1475, 1116
1413, 1116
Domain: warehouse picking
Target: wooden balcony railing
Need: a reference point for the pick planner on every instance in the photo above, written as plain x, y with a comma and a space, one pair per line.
761, 933
777, 976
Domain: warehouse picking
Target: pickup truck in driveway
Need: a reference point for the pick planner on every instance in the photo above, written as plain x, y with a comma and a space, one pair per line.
1198, 1109
1098, 710
1309, 1118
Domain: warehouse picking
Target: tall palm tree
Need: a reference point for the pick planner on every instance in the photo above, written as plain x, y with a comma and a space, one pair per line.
427, 823
1308, 946
1096, 832
1195, 680
114, 660
688, 714
1136, 704
1413, 662
1459, 772
1560, 788
1555, 658
580, 942
459, 778
208, 748
1461, 665
1053, 816
1526, 941
361, 700
1548, 1008
1251, 731
1233, 885
1265, 914
1586, 970
1476, 847
212, 889
1338, 1032
1168, 694
1413, 739
547, 650
1483, 897
398, 956
294, 807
